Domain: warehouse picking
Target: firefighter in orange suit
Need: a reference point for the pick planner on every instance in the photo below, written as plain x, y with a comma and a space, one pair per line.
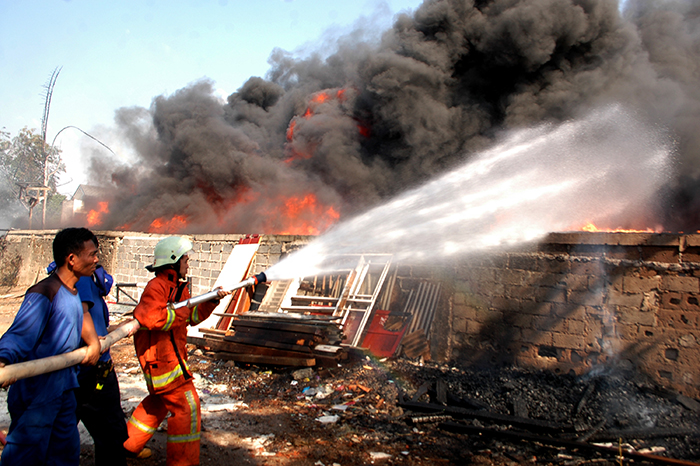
161, 349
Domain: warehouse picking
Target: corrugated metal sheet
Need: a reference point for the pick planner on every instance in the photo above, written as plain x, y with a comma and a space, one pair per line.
421, 304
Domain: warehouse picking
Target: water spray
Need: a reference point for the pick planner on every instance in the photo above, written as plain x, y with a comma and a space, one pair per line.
606, 169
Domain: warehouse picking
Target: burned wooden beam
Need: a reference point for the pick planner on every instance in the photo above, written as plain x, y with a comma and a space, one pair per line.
441, 392
654, 432
597, 428
242, 340
571, 445
422, 390
468, 403
584, 399
240, 348
310, 328
260, 335
534, 424
276, 341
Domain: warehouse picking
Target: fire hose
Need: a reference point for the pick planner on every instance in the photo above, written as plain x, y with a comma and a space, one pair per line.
35, 367
202, 298
22, 370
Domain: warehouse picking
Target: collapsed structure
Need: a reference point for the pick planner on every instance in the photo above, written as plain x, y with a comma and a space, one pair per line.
575, 302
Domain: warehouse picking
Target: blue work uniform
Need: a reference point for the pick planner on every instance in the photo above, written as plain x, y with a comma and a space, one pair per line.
43, 429
99, 400
90, 294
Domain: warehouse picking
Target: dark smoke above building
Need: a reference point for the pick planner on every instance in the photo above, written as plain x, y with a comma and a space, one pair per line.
327, 136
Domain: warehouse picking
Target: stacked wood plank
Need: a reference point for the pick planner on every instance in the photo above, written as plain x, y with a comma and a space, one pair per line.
277, 339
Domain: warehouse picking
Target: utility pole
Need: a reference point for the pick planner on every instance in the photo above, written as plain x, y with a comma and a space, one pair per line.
48, 93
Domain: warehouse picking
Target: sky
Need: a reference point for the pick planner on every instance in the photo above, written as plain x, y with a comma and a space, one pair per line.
114, 54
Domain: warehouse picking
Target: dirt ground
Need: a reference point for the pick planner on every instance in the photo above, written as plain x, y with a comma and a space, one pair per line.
359, 413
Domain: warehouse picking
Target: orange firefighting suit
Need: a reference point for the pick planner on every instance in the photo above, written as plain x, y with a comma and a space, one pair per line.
161, 349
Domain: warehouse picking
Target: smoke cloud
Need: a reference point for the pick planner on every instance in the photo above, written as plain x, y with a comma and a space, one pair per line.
330, 136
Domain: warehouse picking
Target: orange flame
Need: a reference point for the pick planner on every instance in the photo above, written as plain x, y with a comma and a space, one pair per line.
94, 217
174, 225
301, 215
590, 227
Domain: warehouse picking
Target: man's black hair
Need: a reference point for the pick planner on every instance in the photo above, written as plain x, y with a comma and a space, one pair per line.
71, 241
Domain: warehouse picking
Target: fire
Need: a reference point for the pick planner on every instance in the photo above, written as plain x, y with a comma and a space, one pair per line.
94, 217
304, 149
301, 215
174, 225
590, 227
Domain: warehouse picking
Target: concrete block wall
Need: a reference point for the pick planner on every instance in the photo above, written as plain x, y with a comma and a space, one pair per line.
207, 258
24, 255
572, 303
582, 302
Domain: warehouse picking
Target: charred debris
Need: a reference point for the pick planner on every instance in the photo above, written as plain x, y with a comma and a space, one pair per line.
352, 346
496, 415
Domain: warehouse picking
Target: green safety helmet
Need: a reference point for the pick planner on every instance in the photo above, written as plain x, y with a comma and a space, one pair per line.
169, 251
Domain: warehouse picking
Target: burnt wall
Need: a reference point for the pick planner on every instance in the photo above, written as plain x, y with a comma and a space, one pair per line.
583, 302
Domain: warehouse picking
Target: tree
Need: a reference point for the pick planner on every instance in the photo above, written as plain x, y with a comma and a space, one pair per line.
31, 169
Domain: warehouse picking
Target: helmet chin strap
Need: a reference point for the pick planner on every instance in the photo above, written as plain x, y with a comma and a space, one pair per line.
176, 267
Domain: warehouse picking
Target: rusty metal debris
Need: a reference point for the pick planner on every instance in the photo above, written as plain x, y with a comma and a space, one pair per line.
461, 413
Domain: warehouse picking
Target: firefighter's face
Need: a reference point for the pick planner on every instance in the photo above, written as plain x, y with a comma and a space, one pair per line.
184, 264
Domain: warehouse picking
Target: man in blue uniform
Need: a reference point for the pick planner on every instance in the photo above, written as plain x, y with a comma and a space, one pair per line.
44, 428
99, 403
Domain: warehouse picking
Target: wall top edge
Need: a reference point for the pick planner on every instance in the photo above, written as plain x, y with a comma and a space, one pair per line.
623, 238
577, 237
139, 234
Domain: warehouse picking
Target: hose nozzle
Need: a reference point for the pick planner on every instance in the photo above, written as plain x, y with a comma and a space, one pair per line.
260, 278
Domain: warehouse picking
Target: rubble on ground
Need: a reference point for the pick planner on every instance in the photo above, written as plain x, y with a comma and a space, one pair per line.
399, 411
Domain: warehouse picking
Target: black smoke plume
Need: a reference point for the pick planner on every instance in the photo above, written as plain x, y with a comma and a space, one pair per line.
373, 119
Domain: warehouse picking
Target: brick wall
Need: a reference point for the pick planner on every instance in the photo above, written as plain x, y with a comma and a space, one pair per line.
573, 303
580, 302
24, 255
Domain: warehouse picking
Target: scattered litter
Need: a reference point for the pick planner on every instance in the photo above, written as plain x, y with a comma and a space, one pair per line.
328, 419
214, 407
323, 392
652, 450
376, 455
301, 374
257, 444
